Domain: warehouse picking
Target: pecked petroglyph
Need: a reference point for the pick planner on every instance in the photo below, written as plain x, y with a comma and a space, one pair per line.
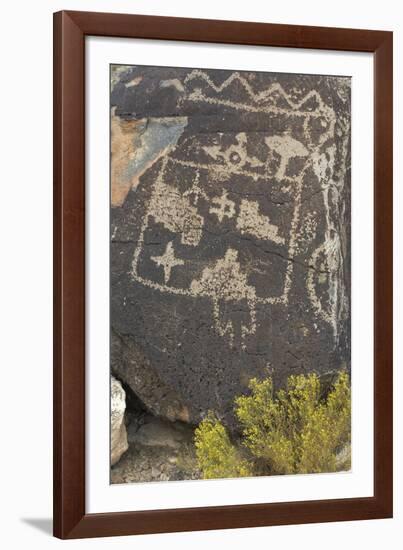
276, 190
235, 155
172, 82
223, 160
333, 308
222, 207
287, 147
264, 101
174, 210
250, 221
225, 281
167, 261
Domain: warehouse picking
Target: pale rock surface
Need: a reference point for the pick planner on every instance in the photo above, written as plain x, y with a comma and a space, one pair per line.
159, 433
118, 429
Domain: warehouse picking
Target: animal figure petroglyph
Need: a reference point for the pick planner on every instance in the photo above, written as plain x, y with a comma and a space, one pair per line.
287, 147
224, 281
252, 222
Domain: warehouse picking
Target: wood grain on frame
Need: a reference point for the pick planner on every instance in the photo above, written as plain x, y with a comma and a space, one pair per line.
70, 518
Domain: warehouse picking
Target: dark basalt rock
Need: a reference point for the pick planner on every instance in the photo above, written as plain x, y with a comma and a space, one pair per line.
230, 233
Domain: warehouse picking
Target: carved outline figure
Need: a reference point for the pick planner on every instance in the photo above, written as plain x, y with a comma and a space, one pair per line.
265, 103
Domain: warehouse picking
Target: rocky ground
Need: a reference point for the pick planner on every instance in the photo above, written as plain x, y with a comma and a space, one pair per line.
159, 450
145, 447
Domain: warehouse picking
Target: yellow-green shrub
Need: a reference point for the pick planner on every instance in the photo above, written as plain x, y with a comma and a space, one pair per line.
216, 455
295, 430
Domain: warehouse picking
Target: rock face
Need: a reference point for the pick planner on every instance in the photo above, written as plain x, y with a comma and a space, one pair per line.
118, 429
135, 368
230, 232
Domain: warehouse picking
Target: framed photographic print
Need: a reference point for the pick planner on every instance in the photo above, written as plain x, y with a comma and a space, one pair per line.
223, 274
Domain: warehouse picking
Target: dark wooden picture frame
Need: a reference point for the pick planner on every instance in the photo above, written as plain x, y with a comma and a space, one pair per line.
70, 517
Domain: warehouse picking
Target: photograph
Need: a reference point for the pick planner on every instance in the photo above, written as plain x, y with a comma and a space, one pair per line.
201, 282
230, 273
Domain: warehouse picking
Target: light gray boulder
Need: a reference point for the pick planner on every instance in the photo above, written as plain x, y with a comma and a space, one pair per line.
119, 443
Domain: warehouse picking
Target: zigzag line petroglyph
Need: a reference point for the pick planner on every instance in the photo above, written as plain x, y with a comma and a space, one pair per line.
197, 95
257, 97
182, 217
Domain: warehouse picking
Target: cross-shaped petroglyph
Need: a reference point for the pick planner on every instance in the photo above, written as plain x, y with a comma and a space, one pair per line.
178, 208
225, 207
168, 261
